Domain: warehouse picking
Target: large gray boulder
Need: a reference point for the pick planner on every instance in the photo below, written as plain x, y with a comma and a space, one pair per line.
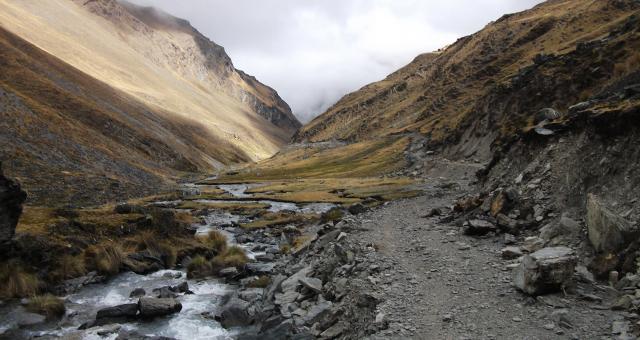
608, 232
151, 307
11, 199
545, 271
116, 314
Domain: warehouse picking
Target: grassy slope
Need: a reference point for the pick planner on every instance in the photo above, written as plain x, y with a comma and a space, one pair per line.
468, 85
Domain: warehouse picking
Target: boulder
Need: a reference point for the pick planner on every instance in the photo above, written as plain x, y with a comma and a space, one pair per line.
228, 272
356, 209
234, 313
510, 253
566, 228
164, 292
258, 268
115, 314
503, 201
181, 288
608, 232
545, 271
478, 227
312, 284
11, 199
152, 307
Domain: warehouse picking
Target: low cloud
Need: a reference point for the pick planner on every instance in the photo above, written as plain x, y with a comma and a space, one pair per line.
315, 51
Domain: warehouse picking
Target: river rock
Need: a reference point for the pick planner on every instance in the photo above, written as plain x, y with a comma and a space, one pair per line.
181, 288
164, 292
608, 232
116, 314
234, 313
138, 292
228, 272
11, 199
547, 270
260, 268
152, 307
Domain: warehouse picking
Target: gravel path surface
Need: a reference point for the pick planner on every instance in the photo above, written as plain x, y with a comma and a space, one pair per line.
436, 283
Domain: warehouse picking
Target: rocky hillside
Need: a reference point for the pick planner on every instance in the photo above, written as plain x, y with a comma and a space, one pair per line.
117, 100
489, 86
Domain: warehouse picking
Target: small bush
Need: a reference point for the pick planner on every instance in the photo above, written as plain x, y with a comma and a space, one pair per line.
48, 305
333, 214
68, 267
261, 282
16, 281
106, 259
198, 267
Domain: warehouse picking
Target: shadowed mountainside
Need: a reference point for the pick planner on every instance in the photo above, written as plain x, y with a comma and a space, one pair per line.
117, 101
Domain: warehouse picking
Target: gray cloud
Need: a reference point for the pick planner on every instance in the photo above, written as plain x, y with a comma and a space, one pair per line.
315, 51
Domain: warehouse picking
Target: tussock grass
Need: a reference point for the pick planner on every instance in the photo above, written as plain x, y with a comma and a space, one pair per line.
261, 282
198, 267
234, 256
148, 240
105, 258
216, 241
16, 281
48, 305
68, 267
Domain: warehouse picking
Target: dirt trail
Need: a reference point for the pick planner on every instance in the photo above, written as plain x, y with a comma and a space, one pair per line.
436, 283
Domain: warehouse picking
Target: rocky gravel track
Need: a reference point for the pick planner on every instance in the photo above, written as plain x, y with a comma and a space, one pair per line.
435, 283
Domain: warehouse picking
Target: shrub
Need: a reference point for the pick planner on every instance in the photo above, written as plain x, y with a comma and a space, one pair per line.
332, 214
48, 305
261, 282
16, 281
68, 267
106, 258
285, 248
198, 267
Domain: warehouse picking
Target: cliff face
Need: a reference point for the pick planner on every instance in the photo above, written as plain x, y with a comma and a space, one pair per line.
487, 87
103, 100
11, 199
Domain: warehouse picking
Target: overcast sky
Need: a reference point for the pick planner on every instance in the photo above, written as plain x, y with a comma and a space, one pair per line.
315, 51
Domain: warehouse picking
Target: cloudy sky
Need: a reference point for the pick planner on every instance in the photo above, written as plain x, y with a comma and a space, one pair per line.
315, 51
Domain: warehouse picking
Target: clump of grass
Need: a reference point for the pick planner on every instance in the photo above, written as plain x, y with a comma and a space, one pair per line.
106, 258
48, 305
216, 241
333, 214
68, 267
148, 240
261, 282
198, 267
232, 257
16, 281
300, 241
285, 248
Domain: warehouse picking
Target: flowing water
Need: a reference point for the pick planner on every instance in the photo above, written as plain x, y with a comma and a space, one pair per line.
194, 322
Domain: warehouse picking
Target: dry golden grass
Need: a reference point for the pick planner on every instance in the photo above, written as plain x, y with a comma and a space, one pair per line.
16, 281
105, 258
261, 282
215, 240
272, 219
68, 267
233, 256
198, 267
48, 305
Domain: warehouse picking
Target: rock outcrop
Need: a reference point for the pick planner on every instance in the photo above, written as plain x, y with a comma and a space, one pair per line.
608, 232
11, 199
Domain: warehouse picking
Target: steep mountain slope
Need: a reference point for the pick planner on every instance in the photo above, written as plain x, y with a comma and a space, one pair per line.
114, 100
488, 86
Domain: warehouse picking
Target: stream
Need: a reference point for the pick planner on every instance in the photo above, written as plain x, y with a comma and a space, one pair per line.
193, 322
